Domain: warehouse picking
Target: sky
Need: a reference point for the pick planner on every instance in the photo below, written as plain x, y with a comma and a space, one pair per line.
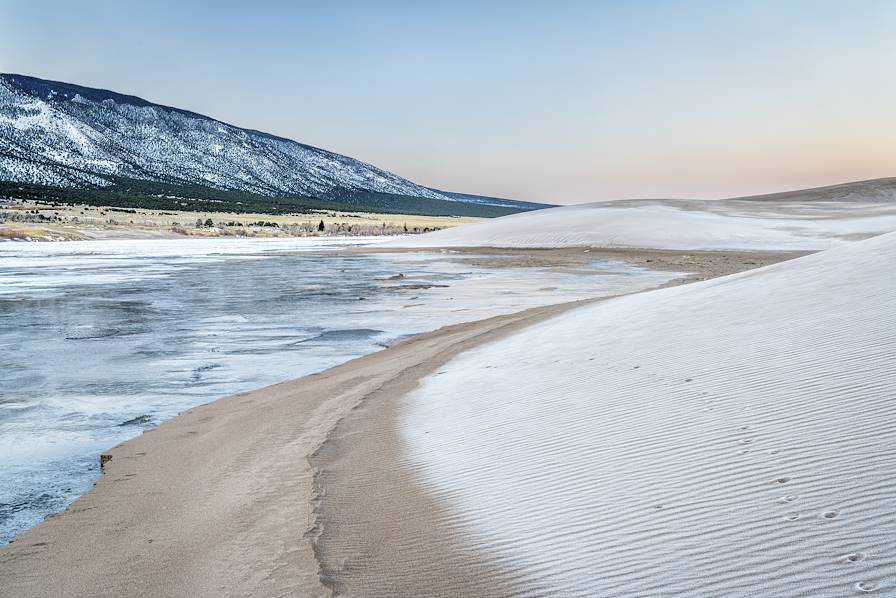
563, 102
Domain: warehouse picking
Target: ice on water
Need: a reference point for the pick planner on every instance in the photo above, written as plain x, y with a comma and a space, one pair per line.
101, 339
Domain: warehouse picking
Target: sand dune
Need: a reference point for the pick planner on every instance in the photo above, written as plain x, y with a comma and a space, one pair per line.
801, 220
727, 438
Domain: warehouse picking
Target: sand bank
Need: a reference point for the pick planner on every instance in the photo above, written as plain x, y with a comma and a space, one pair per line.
218, 500
379, 532
223, 500
701, 264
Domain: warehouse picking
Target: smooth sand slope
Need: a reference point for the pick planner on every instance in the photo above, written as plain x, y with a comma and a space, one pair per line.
801, 220
727, 438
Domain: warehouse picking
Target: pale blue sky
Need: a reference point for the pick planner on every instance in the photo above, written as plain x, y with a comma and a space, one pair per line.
555, 101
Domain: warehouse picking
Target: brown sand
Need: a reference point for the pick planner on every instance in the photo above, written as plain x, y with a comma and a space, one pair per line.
703, 264
380, 532
223, 500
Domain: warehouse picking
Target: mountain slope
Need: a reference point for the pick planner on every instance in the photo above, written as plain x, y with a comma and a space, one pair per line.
69, 136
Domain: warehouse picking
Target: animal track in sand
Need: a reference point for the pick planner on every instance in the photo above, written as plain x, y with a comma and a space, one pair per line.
830, 514
853, 557
792, 516
866, 586
782, 480
789, 498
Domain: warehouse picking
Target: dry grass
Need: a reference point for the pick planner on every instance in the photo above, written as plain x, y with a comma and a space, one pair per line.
81, 221
39, 233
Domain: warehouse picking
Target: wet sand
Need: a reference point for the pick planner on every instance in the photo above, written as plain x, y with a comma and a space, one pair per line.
702, 264
294, 489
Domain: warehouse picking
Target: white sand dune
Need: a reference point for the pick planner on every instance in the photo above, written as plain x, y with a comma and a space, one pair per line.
799, 220
733, 437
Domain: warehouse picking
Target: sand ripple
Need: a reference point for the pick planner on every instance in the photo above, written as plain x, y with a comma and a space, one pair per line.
727, 438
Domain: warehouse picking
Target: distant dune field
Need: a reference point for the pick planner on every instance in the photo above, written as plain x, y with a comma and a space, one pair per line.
798, 220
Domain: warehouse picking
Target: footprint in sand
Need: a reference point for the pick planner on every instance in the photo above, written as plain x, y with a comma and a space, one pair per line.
866, 586
782, 480
830, 514
792, 516
745, 440
789, 498
853, 557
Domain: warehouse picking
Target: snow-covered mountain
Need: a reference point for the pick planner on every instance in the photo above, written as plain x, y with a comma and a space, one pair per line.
65, 135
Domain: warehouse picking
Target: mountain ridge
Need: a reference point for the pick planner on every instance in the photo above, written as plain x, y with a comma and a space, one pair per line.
64, 135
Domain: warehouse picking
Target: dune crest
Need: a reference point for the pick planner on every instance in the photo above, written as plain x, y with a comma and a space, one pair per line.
811, 219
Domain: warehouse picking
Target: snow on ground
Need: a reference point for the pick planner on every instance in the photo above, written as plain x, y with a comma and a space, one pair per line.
789, 221
726, 438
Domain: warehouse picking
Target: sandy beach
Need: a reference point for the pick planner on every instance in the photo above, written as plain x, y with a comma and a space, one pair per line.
288, 490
